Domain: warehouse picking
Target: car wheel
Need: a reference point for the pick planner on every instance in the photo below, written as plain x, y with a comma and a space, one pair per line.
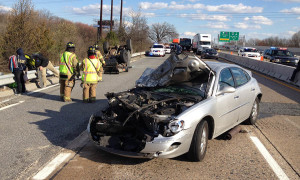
199, 142
254, 113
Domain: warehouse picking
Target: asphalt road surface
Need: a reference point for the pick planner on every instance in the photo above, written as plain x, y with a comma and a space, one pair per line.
40, 128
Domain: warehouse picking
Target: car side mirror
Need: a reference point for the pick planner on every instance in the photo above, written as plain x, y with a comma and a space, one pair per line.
224, 88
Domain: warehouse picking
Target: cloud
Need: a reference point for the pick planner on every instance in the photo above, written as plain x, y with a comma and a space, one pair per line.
205, 17
290, 33
190, 34
93, 10
243, 25
217, 25
5, 9
259, 20
295, 10
153, 6
232, 8
298, 17
290, 1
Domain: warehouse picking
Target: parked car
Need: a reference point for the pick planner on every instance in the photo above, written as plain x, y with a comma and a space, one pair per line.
157, 50
176, 108
280, 55
168, 49
209, 53
249, 52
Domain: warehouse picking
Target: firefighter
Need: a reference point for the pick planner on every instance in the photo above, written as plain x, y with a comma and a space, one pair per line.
68, 69
90, 67
101, 59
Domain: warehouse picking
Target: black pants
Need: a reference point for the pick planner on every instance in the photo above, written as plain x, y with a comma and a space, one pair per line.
295, 71
19, 78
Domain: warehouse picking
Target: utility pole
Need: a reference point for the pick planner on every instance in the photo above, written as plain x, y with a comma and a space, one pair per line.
111, 15
121, 13
101, 6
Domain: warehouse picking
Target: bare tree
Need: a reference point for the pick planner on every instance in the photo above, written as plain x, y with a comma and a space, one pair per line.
295, 40
162, 32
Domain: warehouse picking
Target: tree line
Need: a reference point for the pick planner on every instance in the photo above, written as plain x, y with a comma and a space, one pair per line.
39, 31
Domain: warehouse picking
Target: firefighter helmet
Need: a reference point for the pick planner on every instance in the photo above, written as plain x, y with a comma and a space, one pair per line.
91, 50
70, 45
96, 46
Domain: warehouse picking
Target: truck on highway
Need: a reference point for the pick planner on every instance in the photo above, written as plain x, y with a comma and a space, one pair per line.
186, 44
200, 42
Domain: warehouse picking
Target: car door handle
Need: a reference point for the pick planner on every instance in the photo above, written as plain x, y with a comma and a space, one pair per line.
252, 89
236, 97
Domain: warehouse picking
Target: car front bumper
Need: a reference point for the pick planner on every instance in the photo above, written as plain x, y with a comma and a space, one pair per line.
159, 147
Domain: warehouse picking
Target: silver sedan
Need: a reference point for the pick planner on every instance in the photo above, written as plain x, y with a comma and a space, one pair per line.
176, 108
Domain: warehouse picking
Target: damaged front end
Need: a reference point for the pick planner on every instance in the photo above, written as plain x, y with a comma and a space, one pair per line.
142, 122
136, 117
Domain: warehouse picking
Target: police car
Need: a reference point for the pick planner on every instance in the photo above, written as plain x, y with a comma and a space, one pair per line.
249, 52
280, 55
157, 50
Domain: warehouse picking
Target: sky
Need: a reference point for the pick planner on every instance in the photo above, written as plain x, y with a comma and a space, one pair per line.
251, 18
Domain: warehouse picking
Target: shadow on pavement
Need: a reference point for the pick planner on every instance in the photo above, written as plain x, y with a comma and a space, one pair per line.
61, 127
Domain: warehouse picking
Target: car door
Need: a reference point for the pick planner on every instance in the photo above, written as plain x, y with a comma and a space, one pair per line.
245, 92
226, 104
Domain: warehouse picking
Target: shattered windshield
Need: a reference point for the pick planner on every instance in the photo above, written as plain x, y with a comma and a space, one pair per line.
182, 90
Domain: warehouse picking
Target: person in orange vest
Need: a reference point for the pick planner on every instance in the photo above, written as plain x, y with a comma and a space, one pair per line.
90, 68
101, 59
68, 69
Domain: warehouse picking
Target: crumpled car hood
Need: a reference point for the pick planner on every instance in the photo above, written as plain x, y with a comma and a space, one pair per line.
175, 70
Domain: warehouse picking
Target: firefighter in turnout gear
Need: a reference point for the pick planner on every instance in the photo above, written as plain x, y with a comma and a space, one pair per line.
101, 59
90, 67
68, 69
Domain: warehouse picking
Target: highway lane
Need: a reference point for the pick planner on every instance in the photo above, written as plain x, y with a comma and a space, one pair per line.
277, 129
239, 158
35, 130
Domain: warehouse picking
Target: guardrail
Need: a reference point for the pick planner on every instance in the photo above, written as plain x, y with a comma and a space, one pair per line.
9, 78
278, 71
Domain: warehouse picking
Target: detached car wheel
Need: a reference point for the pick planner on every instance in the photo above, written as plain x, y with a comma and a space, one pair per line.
199, 142
254, 113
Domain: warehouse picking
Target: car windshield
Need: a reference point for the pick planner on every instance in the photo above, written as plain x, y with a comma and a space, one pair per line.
157, 46
250, 50
282, 53
181, 90
210, 50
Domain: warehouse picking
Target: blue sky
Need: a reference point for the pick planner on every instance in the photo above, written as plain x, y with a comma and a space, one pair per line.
252, 18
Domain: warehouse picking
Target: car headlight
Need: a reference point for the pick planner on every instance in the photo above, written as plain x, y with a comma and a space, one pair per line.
176, 125
277, 60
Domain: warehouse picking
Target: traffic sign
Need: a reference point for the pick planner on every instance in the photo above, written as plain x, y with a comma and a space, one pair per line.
228, 36
234, 36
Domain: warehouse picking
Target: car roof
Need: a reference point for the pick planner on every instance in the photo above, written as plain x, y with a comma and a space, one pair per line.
217, 66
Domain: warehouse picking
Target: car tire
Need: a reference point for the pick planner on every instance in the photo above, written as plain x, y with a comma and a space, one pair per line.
129, 45
123, 56
199, 142
254, 113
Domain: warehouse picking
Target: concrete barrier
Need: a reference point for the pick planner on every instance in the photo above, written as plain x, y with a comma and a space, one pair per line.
278, 71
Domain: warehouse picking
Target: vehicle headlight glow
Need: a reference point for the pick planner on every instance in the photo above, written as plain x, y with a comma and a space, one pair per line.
176, 125
277, 60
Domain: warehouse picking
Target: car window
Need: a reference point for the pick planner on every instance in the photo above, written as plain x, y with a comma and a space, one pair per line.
157, 46
226, 77
239, 76
250, 50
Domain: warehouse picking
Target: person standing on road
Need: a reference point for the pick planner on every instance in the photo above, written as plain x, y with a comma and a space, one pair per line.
41, 63
68, 69
18, 69
295, 72
101, 59
90, 67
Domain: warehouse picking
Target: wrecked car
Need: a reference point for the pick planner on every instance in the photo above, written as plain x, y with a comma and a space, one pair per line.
176, 108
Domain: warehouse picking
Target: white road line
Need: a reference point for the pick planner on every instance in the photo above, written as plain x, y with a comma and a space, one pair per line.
274, 165
293, 123
5, 100
51, 166
43, 89
11, 105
